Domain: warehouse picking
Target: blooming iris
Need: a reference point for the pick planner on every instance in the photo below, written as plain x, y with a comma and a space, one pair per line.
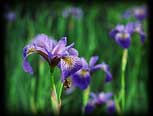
122, 33
82, 77
140, 13
73, 11
55, 53
98, 100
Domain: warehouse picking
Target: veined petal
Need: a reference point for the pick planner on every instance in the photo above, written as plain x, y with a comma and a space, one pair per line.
60, 46
73, 51
93, 60
123, 39
81, 79
70, 65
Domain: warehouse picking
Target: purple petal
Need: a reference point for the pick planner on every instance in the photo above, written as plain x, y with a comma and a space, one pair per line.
113, 33
93, 60
73, 51
26, 67
120, 28
70, 65
60, 46
81, 79
106, 69
142, 36
130, 27
89, 108
103, 97
127, 14
110, 106
123, 39
84, 63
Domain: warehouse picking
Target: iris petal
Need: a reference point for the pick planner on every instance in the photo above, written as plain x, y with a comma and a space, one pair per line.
123, 39
84, 63
60, 46
27, 67
81, 79
70, 65
93, 60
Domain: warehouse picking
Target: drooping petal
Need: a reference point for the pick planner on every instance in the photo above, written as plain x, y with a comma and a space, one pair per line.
103, 66
110, 106
81, 79
93, 60
89, 108
27, 67
142, 36
123, 39
70, 65
112, 33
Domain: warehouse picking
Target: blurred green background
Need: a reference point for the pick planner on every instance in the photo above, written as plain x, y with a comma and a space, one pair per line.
31, 93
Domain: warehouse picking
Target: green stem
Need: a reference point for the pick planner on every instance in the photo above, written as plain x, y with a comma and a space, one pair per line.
85, 98
124, 62
54, 98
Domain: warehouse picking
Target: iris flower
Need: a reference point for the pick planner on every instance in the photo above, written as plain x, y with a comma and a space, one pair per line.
140, 13
73, 11
55, 53
82, 77
98, 100
122, 33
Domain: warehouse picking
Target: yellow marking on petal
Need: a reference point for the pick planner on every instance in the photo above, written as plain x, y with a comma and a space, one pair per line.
68, 60
31, 50
83, 72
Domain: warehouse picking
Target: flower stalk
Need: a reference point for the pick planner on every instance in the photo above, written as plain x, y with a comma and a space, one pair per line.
54, 98
124, 62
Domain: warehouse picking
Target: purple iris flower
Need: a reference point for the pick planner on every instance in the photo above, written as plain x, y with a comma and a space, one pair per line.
137, 28
98, 100
82, 77
55, 53
73, 11
140, 13
10, 16
122, 34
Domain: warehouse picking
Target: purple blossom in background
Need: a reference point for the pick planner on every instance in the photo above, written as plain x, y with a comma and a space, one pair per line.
55, 53
72, 11
122, 33
98, 100
139, 12
10, 16
82, 77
